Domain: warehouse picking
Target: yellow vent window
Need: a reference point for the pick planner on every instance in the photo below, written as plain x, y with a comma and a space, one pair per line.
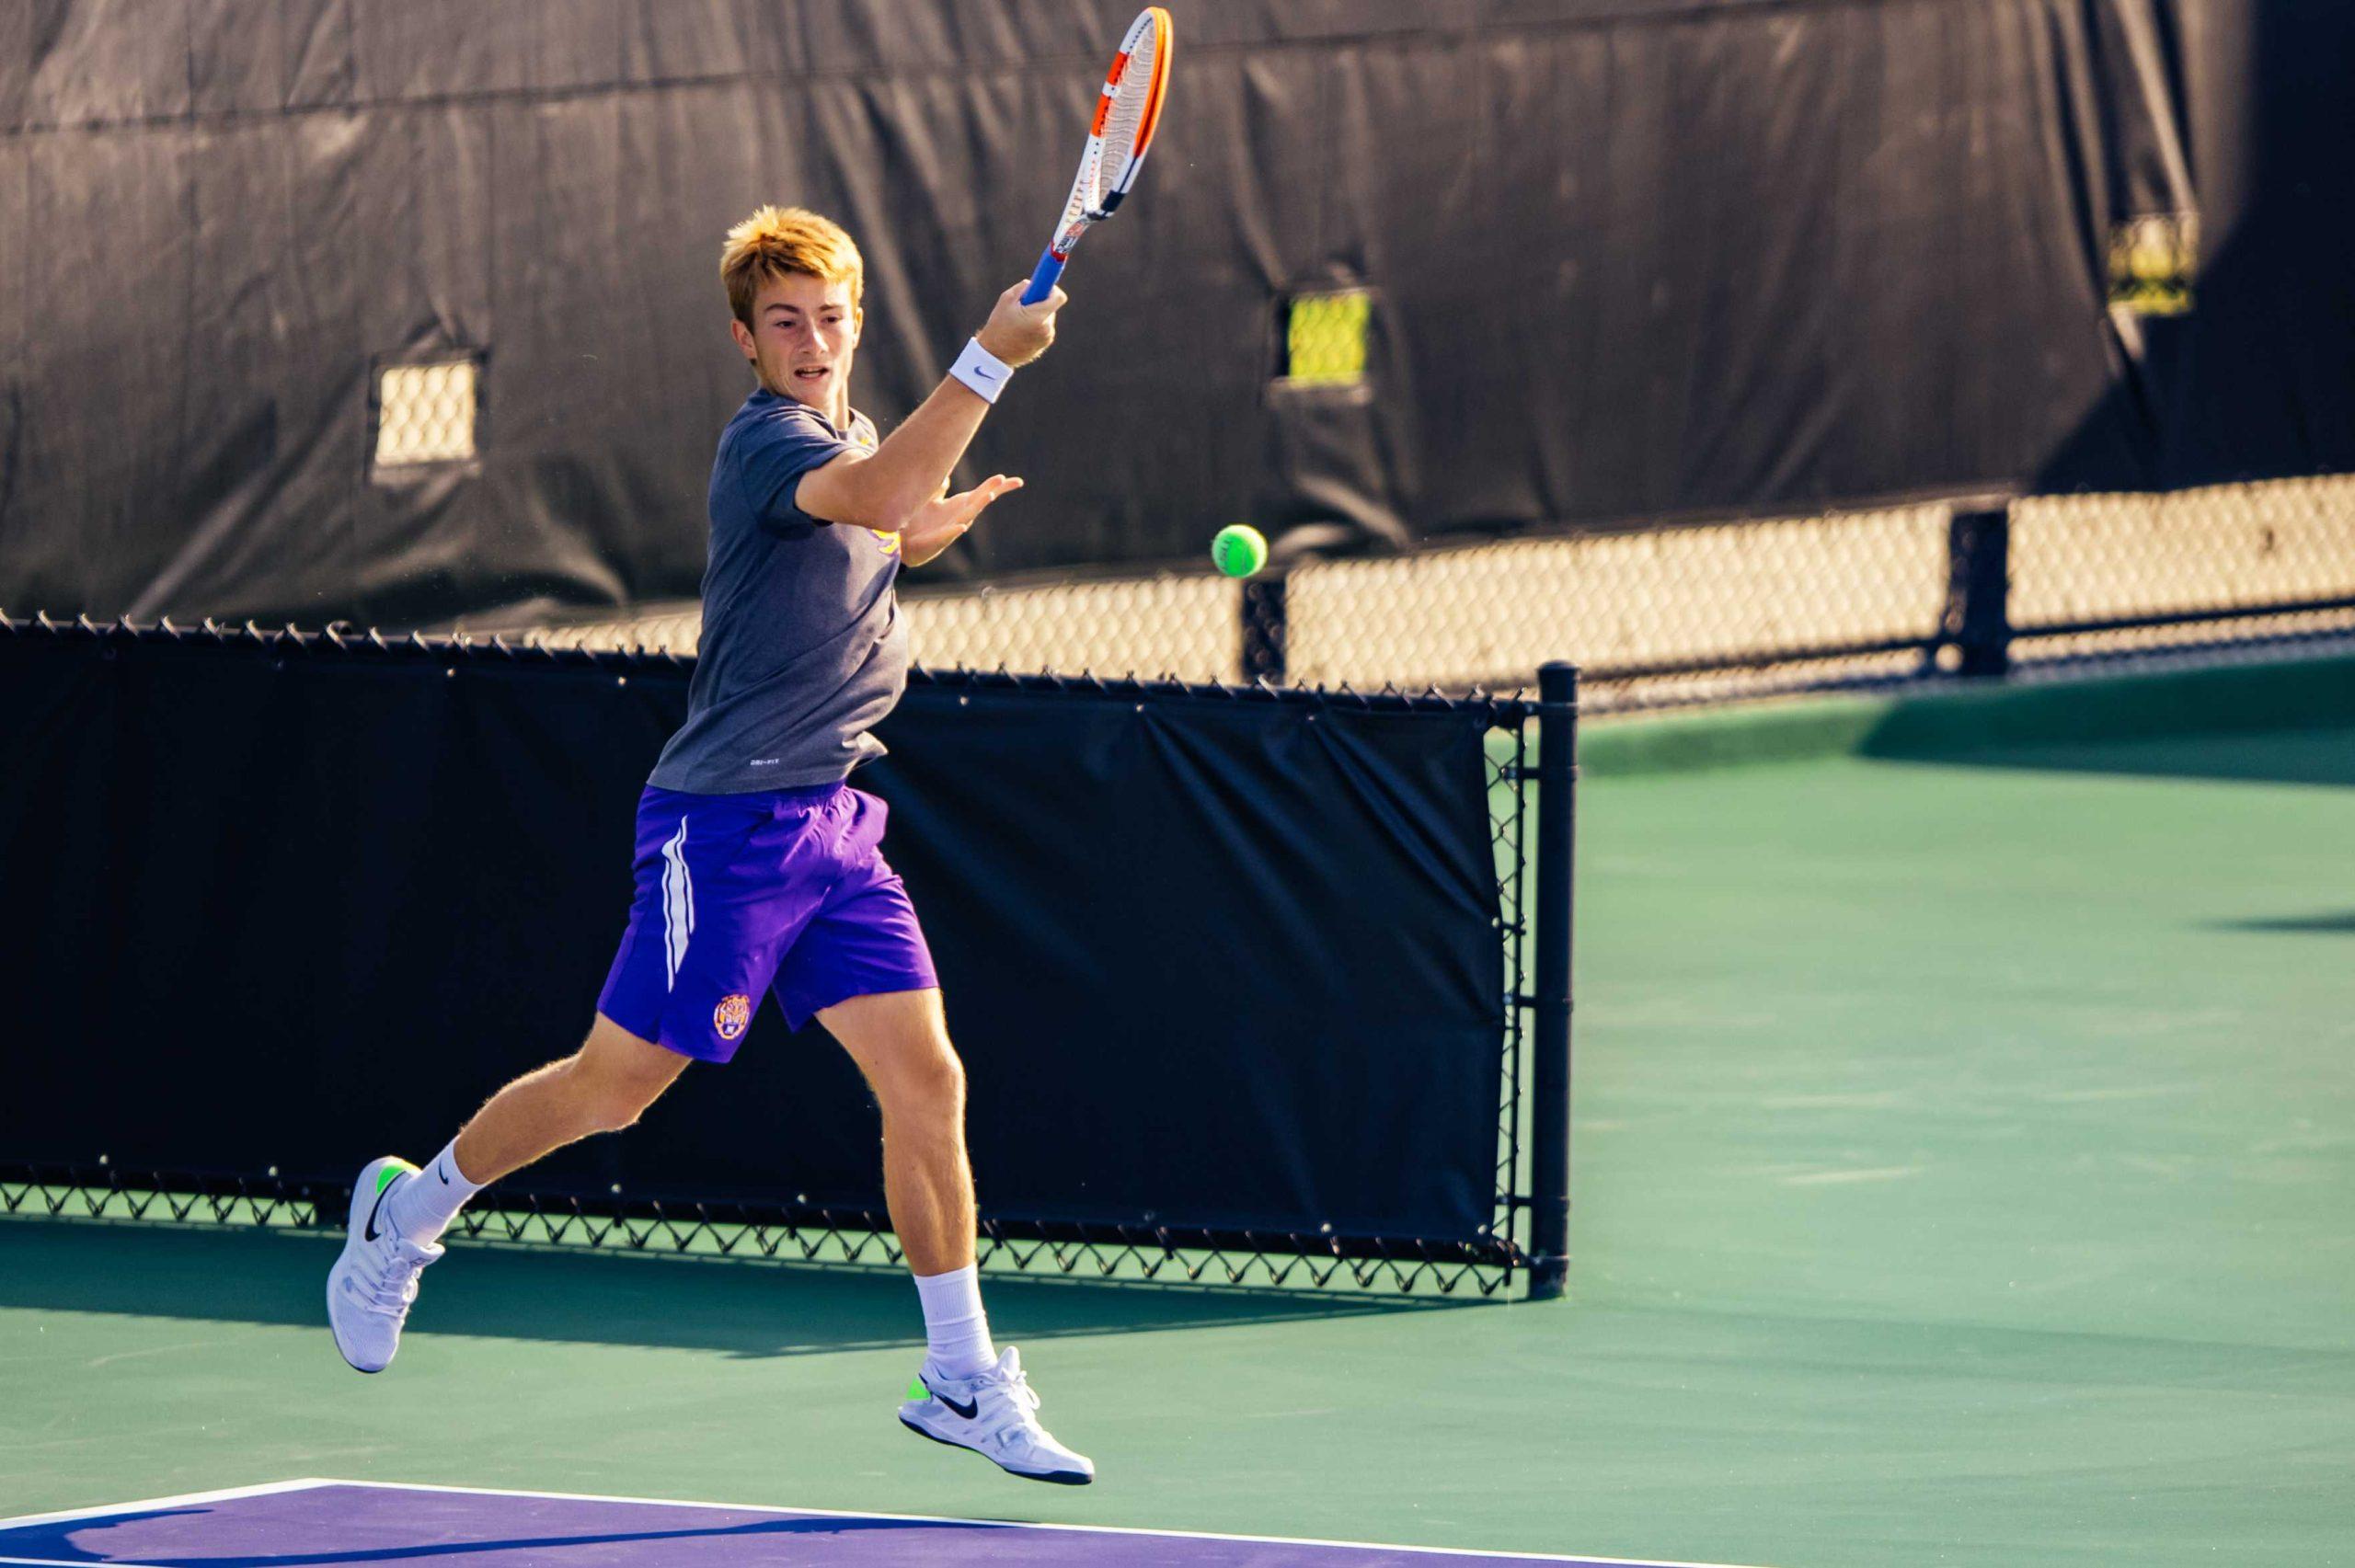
1325, 338
425, 413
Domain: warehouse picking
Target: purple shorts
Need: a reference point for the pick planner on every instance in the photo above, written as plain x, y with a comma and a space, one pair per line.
738, 893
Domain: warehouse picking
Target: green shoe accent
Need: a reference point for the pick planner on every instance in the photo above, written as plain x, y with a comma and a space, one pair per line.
917, 1390
385, 1177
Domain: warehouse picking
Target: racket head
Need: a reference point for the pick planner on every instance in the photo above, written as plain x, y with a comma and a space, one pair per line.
1129, 111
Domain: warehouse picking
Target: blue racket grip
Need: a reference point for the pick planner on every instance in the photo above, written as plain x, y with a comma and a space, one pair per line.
1043, 277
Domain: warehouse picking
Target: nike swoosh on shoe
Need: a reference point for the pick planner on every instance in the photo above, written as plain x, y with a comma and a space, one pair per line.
374, 1209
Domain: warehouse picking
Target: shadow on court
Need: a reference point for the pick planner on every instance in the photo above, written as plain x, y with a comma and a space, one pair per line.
740, 1308
2288, 724
2339, 924
2324, 757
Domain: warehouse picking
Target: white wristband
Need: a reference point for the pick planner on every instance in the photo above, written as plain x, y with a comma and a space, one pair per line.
982, 371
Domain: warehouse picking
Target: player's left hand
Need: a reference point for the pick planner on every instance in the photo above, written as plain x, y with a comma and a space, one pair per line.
940, 522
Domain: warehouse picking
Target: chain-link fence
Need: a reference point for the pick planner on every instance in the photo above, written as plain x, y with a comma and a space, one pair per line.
1691, 613
1178, 627
836, 1237
2106, 575
809, 1233
1532, 1110
1624, 605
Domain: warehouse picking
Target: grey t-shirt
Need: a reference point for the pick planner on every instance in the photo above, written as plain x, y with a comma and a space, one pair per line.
803, 650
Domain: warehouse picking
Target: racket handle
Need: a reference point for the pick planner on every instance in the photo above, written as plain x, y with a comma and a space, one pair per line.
1043, 277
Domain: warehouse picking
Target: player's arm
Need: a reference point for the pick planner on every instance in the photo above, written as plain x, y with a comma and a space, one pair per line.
944, 521
889, 487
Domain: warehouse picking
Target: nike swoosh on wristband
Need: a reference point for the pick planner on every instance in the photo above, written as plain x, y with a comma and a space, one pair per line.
378, 1205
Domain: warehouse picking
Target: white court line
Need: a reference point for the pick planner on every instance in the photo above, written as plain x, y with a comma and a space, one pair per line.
310, 1483
1006, 1524
108, 1510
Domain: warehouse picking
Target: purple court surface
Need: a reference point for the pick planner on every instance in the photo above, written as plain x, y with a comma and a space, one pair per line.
298, 1523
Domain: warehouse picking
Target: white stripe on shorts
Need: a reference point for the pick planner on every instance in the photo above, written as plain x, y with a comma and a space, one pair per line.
678, 903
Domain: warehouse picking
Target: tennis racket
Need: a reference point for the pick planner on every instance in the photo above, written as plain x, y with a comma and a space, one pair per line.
1125, 116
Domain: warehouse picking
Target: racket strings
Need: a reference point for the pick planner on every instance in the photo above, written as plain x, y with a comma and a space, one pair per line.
1126, 120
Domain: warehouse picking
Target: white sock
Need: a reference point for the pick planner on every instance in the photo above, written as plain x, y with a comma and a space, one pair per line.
423, 1207
955, 1331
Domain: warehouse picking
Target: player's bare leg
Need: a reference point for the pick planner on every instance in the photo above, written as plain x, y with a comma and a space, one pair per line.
398, 1212
899, 1041
966, 1394
602, 1087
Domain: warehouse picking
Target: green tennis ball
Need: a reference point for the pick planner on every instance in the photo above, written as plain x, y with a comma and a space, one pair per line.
1239, 549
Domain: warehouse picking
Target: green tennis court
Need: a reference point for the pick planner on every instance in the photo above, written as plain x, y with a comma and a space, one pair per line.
1964, 1159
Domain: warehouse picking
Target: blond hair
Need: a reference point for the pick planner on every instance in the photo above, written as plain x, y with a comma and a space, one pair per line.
778, 240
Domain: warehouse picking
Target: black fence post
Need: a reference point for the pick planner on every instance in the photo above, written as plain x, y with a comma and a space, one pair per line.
1977, 620
1549, 1152
1263, 629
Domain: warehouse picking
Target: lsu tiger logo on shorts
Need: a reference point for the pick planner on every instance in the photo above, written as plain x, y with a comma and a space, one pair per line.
732, 1015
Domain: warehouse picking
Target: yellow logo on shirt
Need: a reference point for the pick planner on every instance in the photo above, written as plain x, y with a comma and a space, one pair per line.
887, 542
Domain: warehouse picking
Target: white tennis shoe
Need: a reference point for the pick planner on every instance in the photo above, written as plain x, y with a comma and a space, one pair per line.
372, 1284
993, 1412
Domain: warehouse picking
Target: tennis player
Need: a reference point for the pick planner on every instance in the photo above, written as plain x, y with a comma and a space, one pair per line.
758, 868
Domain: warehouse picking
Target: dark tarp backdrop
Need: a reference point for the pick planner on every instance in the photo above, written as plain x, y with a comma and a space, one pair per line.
1212, 960
1628, 258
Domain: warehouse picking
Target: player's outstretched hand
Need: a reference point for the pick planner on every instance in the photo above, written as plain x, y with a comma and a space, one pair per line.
1017, 333
941, 522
